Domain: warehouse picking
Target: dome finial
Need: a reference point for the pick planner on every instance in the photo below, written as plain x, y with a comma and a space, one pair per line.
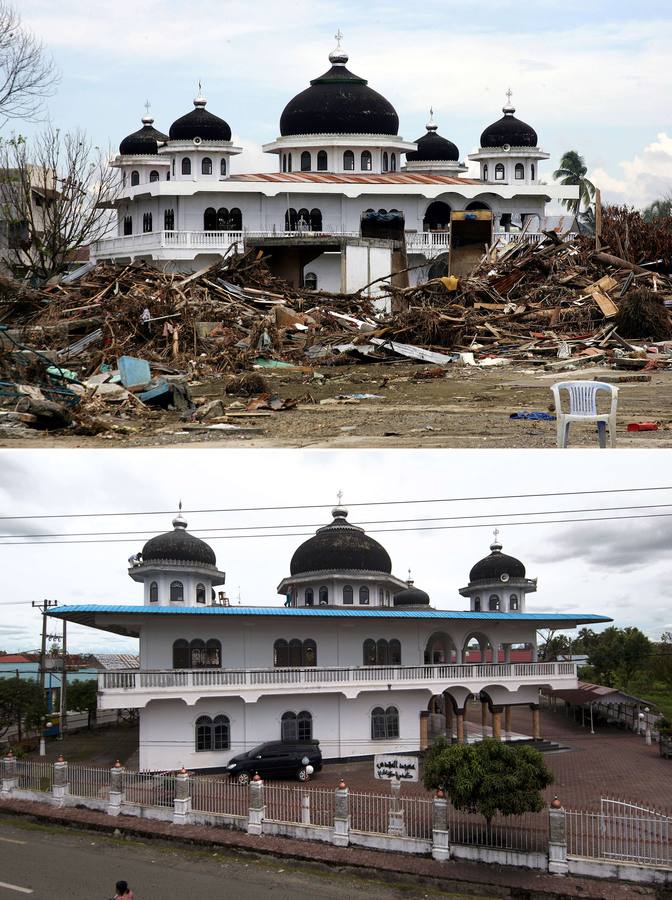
339, 511
147, 119
508, 109
409, 580
179, 521
338, 57
496, 545
200, 99
431, 125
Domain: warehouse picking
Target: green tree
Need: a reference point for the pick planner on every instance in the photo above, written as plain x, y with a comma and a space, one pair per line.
659, 209
82, 696
618, 654
489, 777
554, 645
22, 703
572, 171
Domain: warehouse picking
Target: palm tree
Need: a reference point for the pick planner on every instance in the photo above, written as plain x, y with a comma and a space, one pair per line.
572, 170
659, 209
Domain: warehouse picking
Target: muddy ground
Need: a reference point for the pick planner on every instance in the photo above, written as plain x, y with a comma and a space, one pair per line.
466, 407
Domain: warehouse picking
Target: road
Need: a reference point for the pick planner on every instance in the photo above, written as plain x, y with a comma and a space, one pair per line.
51, 863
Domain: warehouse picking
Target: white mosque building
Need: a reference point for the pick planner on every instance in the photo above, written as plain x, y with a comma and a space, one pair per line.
351, 200
352, 655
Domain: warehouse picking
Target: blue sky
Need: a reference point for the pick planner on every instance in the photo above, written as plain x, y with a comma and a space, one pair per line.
592, 75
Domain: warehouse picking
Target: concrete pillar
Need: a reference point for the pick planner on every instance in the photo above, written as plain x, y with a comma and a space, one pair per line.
396, 823
507, 723
536, 725
8, 777
116, 797
60, 785
449, 720
440, 832
484, 717
257, 811
182, 799
305, 809
459, 716
497, 722
341, 836
507, 653
557, 839
424, 730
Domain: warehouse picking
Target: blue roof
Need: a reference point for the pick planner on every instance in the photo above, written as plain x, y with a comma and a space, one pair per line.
320, 612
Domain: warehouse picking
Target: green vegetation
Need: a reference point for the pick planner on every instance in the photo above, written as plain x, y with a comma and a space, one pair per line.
489, 777
22, 704
82, 696
572, 170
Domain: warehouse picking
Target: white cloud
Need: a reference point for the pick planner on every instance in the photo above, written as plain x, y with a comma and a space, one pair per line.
253, 158
646, 177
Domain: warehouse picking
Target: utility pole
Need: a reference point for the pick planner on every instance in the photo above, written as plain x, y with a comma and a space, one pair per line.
64, 680
43, 607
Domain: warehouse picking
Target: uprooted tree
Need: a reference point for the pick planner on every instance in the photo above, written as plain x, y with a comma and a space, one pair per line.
489, 777
27, 74
55, 196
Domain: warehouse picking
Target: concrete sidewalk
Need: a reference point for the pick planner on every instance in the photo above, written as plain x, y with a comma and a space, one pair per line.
477, 878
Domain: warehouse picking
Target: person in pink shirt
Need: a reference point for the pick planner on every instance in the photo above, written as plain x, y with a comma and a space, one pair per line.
123, 891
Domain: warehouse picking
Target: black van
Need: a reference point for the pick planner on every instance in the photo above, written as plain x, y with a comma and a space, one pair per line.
276, 759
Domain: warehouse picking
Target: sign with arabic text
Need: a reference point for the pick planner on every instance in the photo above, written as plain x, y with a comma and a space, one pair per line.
391, 767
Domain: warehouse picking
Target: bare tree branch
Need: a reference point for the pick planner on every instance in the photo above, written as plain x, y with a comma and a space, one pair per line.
27, 73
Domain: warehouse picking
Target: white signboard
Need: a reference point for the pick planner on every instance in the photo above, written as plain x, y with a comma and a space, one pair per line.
391, 767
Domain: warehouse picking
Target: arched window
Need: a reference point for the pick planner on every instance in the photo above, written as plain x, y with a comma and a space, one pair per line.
123, 179
153, 175
308, 596
310, 281
295, 652
212, 735
395, 652
200, 593
324, 596
315, 220
172, 165
369, 652
295, 727
532, 172
364, 596
281, 653
176, 591
520, 171
135, 177
153, 592
169, 220
213, 654
348, 161
235, 220
393, 162
197, 654
147, 222
284, 162
222, 167
221, 733
221, 219
291, 220
289, 162
288, 728
347, 594
386, 162
384, 723
186, 166
181, 654
322, 161
210, 219
499, 172
513, 602
382, 212
493, 603
309, 653
381, 596
366, 161
485, 172
203, 733
382, 656
477, 604
128, 224
304, 219
305, 161
206, 166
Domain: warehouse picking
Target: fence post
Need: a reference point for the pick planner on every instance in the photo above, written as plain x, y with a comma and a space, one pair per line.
557, 839
305, 808
60, 786
341, 836
396, 823
440, 830
9, 779
116, 797
182, 799
257, 811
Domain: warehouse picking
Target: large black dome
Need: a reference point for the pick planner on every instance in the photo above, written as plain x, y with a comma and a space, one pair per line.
432, 147
411, 596
497, 564
178, 545
340, 545
199, 123
339, 102
144, 141
509, 130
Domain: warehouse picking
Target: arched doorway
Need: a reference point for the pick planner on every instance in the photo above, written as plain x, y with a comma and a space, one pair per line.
477, 204
437, 216
440, 649
477, 649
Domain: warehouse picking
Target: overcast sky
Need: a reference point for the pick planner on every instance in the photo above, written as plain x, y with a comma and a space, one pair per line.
592, 76
620, 569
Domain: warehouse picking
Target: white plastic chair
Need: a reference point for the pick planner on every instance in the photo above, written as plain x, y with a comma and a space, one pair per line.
583, 408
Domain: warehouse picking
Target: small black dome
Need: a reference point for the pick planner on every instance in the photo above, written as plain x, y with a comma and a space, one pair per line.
509, 130
339, 102
199, 123
144, 141
432, 147
411, 596
497, 564
340, 545
178, 545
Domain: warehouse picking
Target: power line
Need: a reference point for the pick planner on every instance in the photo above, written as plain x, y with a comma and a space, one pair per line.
299, 534
170, 512
544, 512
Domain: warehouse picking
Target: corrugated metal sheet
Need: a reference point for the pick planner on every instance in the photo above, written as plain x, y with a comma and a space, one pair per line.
329, 178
